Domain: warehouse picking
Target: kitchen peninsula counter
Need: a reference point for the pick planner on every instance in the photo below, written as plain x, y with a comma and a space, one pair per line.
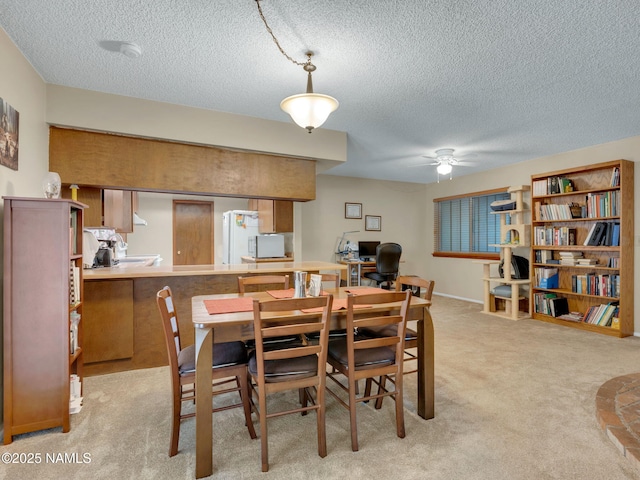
122, 326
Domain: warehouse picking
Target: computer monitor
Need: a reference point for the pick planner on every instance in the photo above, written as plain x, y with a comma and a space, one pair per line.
367, 249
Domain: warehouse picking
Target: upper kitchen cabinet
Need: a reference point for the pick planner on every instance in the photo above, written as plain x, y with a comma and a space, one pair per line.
109, 208
117, 207
275, 216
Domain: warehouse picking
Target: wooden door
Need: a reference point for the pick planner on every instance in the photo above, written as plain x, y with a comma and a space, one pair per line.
192, 232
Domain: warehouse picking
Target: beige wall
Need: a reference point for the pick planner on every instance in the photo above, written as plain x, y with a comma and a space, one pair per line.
25, 91
113, 113
401, 206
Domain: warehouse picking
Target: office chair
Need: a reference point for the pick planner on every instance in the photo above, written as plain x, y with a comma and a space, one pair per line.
387, 265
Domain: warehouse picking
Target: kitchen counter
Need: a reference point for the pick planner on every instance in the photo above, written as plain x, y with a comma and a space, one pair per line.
122, 327
137, 271
265, 260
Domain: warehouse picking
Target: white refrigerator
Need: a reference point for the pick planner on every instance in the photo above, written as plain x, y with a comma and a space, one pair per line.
237, 227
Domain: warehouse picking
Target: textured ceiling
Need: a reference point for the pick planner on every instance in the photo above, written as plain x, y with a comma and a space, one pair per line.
500, 81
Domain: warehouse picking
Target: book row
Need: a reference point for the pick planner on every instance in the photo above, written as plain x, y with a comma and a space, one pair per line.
554, 236
552, 305
603, 233
604, 285
606, 204
602, 315
552, 186
560, 184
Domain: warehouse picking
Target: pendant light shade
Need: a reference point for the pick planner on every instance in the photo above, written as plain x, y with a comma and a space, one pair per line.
309, 110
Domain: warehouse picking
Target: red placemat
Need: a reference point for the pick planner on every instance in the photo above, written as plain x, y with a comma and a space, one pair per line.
366, 290
281, 293
229, 305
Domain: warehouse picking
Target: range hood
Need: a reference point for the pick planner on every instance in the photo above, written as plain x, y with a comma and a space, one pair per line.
137, 220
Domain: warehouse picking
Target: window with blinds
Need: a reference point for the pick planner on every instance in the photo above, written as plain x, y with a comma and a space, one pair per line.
465, 227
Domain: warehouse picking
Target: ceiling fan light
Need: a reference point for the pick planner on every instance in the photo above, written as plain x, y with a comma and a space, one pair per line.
444, 169
309, 110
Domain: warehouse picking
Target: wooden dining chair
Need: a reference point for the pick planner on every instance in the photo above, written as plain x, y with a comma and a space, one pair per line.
419, 287
358, 357
256, 282
291, 366
229, 365
331, 279
266, 282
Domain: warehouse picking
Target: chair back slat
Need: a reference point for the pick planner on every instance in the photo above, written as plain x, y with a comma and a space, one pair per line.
376, 342
377, 321
276, 282
292, 352
288, 330
403, 281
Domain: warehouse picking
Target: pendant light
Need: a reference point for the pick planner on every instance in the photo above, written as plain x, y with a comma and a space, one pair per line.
308, 110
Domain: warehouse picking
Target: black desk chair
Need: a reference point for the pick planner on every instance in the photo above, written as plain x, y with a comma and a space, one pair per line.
387, 264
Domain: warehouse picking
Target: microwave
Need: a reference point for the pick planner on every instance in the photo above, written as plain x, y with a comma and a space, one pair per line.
266, 246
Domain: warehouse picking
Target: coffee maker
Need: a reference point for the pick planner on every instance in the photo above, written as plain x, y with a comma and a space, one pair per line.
111, 246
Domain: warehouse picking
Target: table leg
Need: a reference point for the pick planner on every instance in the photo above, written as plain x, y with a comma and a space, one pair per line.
204, 426
426, 367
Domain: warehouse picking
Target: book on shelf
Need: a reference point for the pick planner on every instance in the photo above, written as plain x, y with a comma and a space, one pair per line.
572, 316
558, 306
615, 177
586, 261
601, 315
74, 284
572, 254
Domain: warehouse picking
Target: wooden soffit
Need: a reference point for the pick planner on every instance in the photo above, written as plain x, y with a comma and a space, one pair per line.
106, 160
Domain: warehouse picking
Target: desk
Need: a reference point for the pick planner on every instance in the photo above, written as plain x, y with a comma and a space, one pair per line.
234, 326
356, 264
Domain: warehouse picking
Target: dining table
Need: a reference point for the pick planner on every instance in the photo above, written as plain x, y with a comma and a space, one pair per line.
226, 317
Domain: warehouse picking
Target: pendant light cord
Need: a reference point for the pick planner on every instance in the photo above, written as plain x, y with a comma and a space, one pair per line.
264, 20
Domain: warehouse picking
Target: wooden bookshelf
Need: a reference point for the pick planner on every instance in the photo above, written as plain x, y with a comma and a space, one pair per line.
566, 206
43, 293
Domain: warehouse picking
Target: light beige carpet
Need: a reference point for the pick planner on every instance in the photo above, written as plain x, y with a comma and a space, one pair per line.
514, 400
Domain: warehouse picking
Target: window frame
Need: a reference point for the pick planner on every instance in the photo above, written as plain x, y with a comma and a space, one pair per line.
436, 227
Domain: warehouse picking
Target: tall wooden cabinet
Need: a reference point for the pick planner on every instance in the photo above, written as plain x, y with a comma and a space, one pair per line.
582, 241
42, 298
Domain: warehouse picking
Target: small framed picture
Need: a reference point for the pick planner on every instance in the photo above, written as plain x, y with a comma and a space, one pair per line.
352, 210
373, 222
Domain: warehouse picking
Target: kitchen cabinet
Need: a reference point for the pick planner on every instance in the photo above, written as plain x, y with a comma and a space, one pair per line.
43, 312
117, 207
275, 216
109, 329
109, 208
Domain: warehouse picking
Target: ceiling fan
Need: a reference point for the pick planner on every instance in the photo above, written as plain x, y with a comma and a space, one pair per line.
444, 161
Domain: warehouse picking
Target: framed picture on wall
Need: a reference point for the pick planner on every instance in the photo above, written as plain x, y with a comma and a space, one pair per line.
9, 118
373, 223
352, 210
